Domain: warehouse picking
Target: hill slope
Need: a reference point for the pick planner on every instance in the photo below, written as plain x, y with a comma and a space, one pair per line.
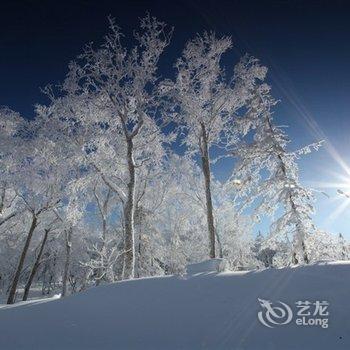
200, 311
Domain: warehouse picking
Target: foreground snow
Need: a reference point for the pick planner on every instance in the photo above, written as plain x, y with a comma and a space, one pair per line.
199, 311
29, 302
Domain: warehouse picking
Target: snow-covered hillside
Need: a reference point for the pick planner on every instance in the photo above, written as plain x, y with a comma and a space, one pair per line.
199, 311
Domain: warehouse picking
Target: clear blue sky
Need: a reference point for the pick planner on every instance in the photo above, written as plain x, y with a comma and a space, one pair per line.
305, 44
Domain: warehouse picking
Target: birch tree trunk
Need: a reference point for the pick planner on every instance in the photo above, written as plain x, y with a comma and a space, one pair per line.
12, 293
207, 180
68, 238
129, 211
35, 266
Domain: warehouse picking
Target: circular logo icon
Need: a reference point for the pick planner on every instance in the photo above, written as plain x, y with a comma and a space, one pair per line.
274, 315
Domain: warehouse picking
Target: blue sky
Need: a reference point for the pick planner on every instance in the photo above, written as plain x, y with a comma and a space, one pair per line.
305, 45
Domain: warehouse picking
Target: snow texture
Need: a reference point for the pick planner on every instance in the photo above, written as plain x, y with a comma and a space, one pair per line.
203, 311
212, 265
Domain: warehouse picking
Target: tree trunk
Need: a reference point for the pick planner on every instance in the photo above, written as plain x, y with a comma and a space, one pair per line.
129, 211
209, 204
101, 272
295, 261
68, 238
35, 266
12, 293
305, 257
221, 254
103, 208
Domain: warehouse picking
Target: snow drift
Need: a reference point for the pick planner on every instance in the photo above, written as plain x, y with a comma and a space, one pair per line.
207, 310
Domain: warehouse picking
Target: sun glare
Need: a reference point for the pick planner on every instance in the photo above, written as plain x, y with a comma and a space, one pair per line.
342, 196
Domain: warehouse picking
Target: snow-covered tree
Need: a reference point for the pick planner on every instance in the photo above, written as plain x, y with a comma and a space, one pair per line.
343, 249
91, 190
10, 123
209, 103
39, 181
236, 238
109, 104
322, 246
268, 172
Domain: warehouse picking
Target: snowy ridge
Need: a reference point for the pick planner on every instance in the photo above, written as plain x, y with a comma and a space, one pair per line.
205, 311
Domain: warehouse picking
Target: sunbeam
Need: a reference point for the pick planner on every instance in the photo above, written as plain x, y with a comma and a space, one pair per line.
280, 80
338, 211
